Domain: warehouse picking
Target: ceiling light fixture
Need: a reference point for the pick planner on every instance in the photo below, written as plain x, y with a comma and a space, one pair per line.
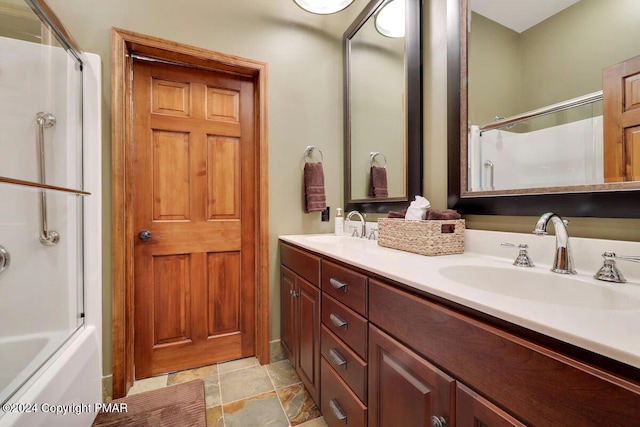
323, 7
390, 19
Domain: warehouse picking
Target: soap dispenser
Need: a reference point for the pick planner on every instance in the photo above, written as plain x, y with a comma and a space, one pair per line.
339, 223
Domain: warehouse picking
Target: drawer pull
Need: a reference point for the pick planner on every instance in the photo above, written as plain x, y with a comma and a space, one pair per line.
337, 358
337, 284
337, 411
338, 321
438, 421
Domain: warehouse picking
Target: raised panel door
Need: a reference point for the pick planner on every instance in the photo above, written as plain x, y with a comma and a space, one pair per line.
288, 319
308, 354
405, 389
193, 140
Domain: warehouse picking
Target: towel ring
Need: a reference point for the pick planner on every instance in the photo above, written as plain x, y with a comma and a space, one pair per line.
373, 155
308, 152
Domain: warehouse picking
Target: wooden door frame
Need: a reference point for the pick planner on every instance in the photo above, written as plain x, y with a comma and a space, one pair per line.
124, 44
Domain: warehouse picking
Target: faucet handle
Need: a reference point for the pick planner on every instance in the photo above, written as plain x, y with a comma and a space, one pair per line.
609, 272
522, 260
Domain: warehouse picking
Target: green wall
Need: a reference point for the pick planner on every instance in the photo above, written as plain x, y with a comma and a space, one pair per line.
495, 72
558, 59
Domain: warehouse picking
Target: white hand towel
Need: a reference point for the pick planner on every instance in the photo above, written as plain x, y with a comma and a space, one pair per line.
418, 209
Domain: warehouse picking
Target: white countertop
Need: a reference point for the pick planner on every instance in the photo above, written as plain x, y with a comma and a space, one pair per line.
614, 333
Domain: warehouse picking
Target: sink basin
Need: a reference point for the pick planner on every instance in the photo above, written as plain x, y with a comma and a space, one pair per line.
545, 287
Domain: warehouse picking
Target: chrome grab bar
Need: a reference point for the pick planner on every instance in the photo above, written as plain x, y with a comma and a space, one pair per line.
560, 106
47, 237
488, 164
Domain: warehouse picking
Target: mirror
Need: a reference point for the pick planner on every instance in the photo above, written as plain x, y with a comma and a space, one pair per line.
546, 78
383, 108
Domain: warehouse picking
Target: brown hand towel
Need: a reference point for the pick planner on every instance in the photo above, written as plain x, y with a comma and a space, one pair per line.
314, 198
378, 182
442, 214
394, 214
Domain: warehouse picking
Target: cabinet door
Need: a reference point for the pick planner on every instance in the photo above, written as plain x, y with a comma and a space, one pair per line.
475, 411
404, 389
287, 312
308, 354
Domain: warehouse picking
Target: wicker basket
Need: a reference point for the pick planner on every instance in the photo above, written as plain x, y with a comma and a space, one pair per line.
432, 237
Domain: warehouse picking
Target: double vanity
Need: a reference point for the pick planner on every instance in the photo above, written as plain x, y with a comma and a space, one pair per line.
382, 337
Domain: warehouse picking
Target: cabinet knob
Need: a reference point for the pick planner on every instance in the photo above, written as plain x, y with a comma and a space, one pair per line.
338, 321
337, 411
338, 284
438, 421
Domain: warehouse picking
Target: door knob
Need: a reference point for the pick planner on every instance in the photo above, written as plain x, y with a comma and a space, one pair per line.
144, 235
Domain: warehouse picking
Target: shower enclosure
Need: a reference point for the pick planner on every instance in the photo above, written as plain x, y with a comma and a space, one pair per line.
49, 197
558, 145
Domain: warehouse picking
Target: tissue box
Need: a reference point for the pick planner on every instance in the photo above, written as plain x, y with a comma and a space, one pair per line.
432, 237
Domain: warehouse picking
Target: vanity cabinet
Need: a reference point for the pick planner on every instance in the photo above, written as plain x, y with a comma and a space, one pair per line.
300, 314
390, 355
534, 384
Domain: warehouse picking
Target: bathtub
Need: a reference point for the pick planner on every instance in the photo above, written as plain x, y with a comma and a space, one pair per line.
65, 390
23, 355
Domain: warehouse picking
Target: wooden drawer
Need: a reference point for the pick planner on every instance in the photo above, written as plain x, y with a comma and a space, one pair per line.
345, 285
302, 263
340, 406
346, 324
537, 385
351, 368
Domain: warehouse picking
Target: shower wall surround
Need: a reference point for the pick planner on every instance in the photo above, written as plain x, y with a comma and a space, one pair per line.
38, 78
562, 155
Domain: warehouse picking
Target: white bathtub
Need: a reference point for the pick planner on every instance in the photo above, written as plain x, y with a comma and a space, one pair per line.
23, 355
69, 382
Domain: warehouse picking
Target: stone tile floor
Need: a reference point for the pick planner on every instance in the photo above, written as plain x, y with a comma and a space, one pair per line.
241, 393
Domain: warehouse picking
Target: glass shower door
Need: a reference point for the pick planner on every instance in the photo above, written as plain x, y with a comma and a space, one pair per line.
41, 193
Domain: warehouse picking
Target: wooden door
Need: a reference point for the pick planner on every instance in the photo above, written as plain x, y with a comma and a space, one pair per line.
405, 389
472, 410
193, 191
308, 351
621, 121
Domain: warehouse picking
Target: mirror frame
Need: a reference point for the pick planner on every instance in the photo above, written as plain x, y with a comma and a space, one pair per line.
616, 201
413, 61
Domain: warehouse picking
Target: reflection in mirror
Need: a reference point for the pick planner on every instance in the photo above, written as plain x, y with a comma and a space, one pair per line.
539, 96
377, 111
383, 134
538, 64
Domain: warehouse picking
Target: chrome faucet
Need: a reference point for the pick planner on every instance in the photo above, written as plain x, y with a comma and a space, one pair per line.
363, 232
563, 261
